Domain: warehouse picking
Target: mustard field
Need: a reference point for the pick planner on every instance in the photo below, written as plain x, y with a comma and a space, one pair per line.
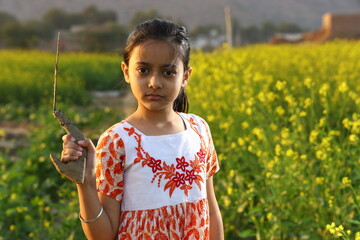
285, 122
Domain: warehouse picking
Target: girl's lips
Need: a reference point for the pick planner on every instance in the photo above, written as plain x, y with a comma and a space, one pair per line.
153, 96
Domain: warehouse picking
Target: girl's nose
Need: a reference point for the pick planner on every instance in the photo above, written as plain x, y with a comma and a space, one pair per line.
155, 82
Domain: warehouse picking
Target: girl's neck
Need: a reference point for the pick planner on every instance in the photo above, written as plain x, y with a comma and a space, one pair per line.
157, 122
156, 117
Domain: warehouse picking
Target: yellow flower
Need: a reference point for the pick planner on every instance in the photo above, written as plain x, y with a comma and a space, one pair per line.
308, 82
241, 141
12, 227
279, 85
277, 149
46, 224
346, 123
261, 96
325, 142
321, 155
289, 153
353, 138
42, 159
307, 102
13, 196
343, 87
107, 110
291, 100
357, 236
248, 111
245, 125
21, 209
273, 126
232, 173
270, 96
280, 110
319, 180
324, 89
322, 121
302, 114
284, 133
331, 228
258, 132
230, 190
225, 125
210, 118
331, 201
346, 181
226, 201
313, 136
32, 116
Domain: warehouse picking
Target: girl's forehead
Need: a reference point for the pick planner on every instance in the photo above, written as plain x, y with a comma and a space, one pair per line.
155, 51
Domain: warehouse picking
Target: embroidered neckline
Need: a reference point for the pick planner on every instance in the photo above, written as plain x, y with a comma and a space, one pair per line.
187, 127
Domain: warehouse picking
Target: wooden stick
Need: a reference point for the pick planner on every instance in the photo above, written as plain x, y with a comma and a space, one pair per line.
73, 170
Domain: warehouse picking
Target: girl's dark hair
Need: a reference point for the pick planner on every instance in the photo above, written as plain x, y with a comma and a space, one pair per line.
171, 33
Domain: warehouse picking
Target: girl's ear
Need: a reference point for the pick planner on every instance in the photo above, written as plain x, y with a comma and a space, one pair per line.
125, 70
186, 77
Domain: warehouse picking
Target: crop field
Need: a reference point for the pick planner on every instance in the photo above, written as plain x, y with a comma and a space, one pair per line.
285, 122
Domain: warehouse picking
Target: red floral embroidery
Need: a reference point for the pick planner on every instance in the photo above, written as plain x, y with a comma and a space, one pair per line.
162, 171
155, 165
179, 179
190, 176
182, 164
201, 155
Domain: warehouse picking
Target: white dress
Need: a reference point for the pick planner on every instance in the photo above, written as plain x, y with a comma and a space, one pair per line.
160, 181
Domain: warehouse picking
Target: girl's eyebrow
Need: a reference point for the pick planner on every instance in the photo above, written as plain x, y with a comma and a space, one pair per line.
167, 65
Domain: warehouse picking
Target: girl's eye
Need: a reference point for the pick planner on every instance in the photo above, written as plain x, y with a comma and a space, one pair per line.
169, 73
142, 70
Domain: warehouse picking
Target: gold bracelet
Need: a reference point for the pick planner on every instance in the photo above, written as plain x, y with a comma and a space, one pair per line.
92, 220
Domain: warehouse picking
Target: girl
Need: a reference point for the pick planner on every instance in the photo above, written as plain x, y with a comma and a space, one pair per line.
152, 177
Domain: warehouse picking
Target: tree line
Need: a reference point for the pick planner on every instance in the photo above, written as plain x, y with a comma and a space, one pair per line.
98, 30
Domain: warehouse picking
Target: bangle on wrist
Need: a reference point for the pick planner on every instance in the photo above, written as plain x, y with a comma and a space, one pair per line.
94, 219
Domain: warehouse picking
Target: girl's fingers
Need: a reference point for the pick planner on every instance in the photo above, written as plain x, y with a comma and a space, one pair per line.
68, 137
87, 143
71, 150
71, 145
70, 155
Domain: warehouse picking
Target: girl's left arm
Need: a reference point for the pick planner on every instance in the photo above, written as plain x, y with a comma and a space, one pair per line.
216, 223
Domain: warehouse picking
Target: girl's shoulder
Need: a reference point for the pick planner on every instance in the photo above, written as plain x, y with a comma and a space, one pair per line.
195, 120
114, 131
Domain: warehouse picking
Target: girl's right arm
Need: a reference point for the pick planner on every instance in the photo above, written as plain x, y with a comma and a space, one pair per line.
91, 202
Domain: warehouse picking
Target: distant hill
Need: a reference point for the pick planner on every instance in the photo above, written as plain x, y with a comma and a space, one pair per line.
306, 13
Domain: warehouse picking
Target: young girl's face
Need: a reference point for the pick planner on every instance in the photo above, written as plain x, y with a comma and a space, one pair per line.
155, 74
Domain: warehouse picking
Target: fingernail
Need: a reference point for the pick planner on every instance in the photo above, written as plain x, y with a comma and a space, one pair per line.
63, 161
81, 142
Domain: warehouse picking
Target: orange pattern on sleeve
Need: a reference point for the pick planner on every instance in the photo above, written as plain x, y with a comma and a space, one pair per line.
110, 155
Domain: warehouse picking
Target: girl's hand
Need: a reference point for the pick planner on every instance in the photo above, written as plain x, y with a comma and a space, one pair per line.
72, 151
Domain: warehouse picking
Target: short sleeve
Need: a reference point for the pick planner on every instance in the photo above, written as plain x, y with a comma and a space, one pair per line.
110, 162
212, 164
